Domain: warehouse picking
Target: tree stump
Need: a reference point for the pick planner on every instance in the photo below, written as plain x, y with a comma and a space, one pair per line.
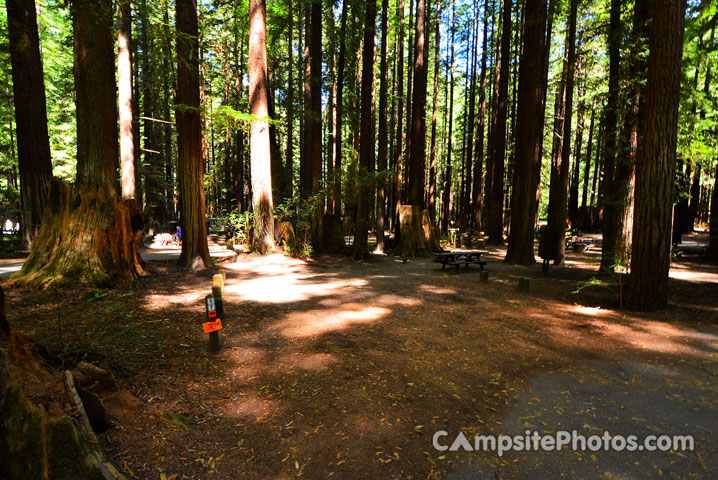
484, 277
413, 241
524, 285
87, 235
39, 438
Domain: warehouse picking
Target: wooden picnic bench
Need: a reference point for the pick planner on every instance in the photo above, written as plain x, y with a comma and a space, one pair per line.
457, 258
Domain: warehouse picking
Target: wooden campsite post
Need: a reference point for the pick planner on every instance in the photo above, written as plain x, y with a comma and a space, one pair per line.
215, 312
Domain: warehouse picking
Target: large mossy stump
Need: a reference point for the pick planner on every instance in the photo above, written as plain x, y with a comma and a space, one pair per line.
418, 233
39, 437
88, 235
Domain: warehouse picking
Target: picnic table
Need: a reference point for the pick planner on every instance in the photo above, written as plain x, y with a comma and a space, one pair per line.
457, 258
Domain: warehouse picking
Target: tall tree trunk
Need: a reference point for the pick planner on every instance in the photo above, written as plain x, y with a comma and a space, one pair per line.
238, 88
191, 168
124, 79
589, 148
575, 173
366, 138
432, 155
651, 252
289, 161
416, 236
259, 148
399, 158
87, 234
529, 136
33, 145
338, 112
558, 195
476, 194
495, 225
469, 127
609, 204
446, 202
383, 128
97, 147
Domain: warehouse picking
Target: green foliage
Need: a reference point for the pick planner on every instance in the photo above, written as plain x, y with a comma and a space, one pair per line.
240, 230
301, 214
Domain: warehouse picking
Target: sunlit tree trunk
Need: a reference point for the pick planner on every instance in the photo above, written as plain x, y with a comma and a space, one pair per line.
259, 148
651, 252
191, 168
383, 133
529, 136
33, 146
399, 154
124, 79
432, 154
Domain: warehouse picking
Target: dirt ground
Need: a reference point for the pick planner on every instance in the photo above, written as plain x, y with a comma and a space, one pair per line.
344, 369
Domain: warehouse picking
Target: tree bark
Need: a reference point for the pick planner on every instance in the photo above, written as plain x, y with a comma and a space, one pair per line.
399, 157
366, 138
338, 112
476, 193
575, 173
495, 225
96, 94
432, 155
124, 78
383, 129
87, 235
609, 202
651, 253
529, 136
33, 145
191, 168
558, 195
259, 145
589, 148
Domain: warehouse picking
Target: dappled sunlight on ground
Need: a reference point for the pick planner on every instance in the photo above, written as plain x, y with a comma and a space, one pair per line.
279, 279
682, 273
317, 322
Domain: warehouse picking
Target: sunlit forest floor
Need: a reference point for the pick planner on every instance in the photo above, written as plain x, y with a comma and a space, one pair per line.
334, 368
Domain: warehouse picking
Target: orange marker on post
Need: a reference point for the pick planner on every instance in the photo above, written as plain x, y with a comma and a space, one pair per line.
214, 313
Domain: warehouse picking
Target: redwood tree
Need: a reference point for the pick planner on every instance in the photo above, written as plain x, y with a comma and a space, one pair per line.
259, 147
495, 222
87, 234
558, 195
191, 168
366, 137
33, 145
124, 77
417, 231
529, 136
655, 171
383, 128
